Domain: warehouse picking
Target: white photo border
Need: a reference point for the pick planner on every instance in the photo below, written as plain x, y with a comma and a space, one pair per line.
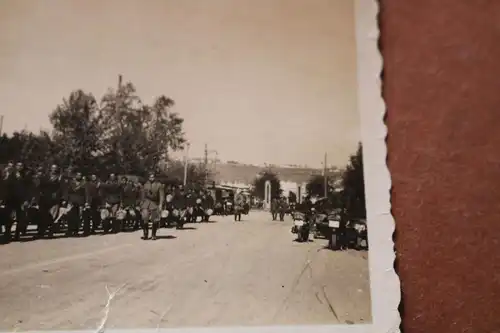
384, 282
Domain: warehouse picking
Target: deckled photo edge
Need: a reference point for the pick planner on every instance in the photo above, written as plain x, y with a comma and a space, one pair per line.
384, 281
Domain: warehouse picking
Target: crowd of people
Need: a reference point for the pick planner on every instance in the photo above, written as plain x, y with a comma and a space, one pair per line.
83, 203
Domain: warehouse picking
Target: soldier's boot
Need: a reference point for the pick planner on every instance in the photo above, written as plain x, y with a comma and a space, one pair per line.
154, 229
137, 223
145, 230
86, 225
96, 219
7, 236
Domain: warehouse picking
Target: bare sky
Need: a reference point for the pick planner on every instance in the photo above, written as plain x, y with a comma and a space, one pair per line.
260, 81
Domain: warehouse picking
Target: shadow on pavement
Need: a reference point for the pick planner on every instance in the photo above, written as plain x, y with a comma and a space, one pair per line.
165, 237
308, 241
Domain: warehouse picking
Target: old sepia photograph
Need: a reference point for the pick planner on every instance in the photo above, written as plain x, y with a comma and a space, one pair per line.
194, 164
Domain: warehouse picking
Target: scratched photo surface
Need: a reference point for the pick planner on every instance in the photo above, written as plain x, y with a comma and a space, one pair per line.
180, 164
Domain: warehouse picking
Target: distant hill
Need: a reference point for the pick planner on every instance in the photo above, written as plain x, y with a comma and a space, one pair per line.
234, 172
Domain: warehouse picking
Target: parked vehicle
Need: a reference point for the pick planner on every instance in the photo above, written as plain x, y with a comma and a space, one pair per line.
302, 225
357, 234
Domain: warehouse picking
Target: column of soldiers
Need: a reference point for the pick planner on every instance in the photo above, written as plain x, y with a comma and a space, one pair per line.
86, 204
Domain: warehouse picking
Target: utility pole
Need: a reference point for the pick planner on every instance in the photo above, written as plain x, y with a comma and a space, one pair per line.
325, 177
215, 164
186, 161
1, 124
205, 161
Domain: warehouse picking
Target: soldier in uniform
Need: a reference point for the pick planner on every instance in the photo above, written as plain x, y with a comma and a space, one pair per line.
190, 202
76, 198
179, 206
153, 196
208, 203
51, 200
3, 210
239, 201
169, 204
274, 208
9, 168
111, 194
282, 207
137, 207
93, 202
16, 200
129, 201
34, 213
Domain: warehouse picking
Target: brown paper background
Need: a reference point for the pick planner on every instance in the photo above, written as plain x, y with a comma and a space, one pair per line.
442, 89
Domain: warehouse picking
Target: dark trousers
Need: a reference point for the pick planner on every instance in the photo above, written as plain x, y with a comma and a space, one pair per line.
91, 219
154, 228
95, 215
109, 224
282, 215
21, 220
74, 220
153, 216
35, 215
237, 213
4, 217
137, 219
48, 212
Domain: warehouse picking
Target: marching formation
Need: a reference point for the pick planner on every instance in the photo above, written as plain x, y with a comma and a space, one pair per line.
82, 203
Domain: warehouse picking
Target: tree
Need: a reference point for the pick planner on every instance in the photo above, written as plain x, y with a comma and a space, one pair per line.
163, 130
195, 173
30, 149
123, 137
316, 186
354, 186
260, 181
137, 136
77, 130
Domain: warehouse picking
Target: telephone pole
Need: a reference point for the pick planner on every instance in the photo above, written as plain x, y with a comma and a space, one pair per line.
205, 161
325, 177
186, 161
1, 124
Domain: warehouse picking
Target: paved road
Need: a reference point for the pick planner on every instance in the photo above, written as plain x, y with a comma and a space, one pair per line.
211, 274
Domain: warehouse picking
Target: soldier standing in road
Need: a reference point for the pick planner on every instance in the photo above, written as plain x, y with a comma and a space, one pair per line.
3, 197
35, 212
93, 202
16, 201
76, 198
152, 197
129, 201
239, 201
137, 207
111, 193
51, 201
179, 205
274, 208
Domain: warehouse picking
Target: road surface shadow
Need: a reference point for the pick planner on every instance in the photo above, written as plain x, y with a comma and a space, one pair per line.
209, 221
308, 241
188, 228
31, 238
166, 237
